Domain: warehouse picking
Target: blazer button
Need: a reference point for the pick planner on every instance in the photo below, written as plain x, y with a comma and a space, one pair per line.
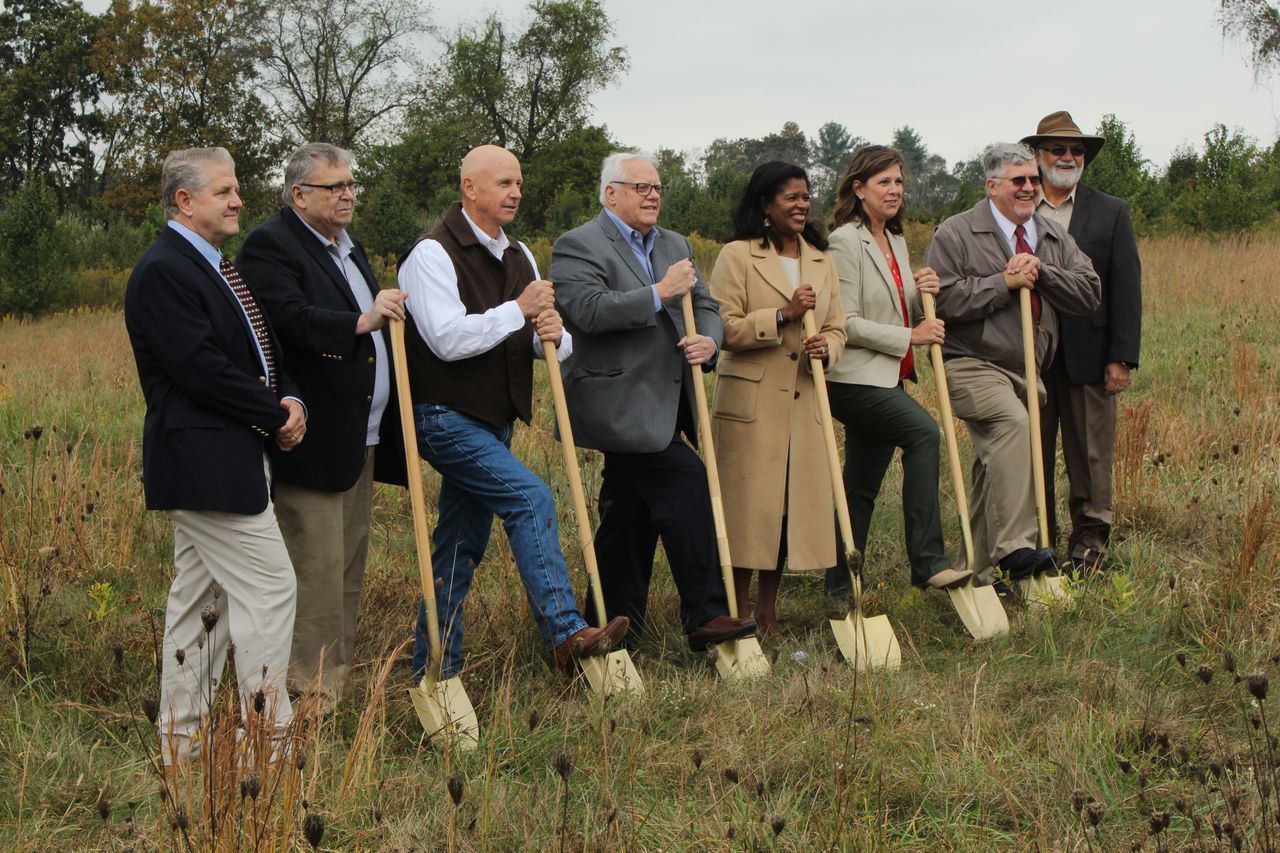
262, 379
676, 380
371, 359
794, 356
797, 395
369, 399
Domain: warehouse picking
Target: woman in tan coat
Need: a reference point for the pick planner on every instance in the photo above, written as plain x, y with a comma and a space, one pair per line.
765, 422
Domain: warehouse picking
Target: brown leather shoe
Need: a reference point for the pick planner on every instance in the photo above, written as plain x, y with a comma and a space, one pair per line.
720, 629
590, 642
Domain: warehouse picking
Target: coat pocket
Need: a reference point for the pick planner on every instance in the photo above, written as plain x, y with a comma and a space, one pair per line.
737, 389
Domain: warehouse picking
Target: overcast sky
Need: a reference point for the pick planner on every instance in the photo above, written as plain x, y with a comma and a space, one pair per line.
962, 74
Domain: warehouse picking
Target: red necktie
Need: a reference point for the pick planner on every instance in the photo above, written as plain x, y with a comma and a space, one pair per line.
1022, 247
251, 309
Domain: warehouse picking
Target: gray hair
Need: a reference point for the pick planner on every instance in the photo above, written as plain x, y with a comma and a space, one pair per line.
611, 170
998, 155
302, 162
184, 170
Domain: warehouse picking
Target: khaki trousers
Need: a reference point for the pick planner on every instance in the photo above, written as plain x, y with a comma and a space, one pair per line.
327, 534
1087, 415
238, 565
1003, 509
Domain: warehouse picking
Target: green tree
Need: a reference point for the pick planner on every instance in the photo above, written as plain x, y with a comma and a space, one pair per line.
1121, 170
914, 153
1233, 187
183, 73
337, 68
527, 89
32, 264
834, 147
48, 93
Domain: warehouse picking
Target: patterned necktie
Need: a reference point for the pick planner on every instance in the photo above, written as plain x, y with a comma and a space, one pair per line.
1022, 247
251, 309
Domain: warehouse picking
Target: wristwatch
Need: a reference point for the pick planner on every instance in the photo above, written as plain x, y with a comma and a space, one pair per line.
781, 318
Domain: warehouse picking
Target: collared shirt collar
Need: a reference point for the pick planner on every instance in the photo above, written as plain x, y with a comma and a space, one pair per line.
342, 243
496, 246
1070, 199
1007, 226
203, 246
631, 235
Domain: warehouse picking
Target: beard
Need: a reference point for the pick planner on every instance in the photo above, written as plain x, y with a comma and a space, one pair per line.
1061, 179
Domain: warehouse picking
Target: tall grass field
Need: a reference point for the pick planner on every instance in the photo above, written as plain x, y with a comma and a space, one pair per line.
1139, 718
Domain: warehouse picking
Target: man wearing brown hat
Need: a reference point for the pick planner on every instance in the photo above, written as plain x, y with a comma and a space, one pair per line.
1098, 351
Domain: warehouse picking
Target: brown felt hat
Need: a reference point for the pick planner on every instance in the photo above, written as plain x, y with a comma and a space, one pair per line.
1060, 125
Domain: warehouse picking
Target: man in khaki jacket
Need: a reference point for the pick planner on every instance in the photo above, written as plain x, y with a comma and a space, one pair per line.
983, 257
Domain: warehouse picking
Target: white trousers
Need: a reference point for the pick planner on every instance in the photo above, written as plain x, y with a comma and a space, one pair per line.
238, 565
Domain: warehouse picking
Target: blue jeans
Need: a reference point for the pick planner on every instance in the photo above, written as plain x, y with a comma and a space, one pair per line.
481, 479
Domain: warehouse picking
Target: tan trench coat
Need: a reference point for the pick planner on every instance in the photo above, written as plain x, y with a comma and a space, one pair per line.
765, 422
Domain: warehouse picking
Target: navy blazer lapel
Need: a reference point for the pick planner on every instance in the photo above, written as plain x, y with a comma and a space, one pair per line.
1081, 209
319, 254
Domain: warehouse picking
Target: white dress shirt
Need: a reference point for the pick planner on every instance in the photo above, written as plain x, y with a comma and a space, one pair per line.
1007, 227
430, 283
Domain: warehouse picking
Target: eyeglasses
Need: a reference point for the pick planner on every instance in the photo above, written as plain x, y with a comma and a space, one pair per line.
1021, 180
642, 188
1059, 150
339, 188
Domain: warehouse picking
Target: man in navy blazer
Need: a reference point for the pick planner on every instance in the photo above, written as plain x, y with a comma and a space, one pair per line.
216, 396
1097, 351
315, 284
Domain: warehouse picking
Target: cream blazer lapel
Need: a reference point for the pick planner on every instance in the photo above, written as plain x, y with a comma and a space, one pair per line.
899, 248
765, 260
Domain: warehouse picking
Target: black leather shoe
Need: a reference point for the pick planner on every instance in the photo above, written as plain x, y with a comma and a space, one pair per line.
718, 630
1027, 562
1009, 593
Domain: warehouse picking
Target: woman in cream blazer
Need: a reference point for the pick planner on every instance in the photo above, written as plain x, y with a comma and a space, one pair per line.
883, 323
765, 422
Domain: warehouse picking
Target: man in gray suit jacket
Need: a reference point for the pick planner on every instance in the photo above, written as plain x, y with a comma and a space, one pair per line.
619, 281
1098, 350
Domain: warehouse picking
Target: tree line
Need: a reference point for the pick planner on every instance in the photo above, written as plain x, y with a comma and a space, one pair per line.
89, 104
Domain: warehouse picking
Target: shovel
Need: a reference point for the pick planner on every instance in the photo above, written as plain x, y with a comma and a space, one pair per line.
978, 606
864, 641
1044, 589
442, 706
613, 673
741, 658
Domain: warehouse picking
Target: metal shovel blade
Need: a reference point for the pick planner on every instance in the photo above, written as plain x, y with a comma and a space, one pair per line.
443, 707
980, 610
867, 641
613, 674
1044, 590
741, 659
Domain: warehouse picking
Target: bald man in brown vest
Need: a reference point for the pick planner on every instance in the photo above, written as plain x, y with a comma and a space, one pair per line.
479, 315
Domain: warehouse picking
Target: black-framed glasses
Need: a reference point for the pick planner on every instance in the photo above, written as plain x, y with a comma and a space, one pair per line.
642, 188
1021, 180
338, 188
1059, 150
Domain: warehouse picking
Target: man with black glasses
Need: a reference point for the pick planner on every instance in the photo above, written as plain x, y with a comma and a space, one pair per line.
1097, 352
619, 284
983, 257
315, 284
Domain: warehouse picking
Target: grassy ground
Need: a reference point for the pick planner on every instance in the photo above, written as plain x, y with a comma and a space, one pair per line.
1090, 728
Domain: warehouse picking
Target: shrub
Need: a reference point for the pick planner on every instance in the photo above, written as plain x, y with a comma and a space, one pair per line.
31, 261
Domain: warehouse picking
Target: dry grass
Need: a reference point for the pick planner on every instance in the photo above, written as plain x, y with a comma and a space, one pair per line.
969, 747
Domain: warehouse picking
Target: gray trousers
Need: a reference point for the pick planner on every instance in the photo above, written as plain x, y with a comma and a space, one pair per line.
1086, 417
327, 534
990, 400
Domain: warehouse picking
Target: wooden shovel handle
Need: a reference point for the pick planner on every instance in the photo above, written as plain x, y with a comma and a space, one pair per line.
709, 460
1033, 414
949, 430
417, 493
585, 535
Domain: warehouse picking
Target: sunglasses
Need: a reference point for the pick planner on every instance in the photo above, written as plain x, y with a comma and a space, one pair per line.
1021, 180
1059, 150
